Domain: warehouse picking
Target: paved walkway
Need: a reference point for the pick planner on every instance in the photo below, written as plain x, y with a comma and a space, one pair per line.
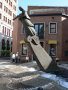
24, 76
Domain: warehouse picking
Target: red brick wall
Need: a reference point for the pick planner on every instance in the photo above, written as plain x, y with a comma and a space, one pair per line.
65, 38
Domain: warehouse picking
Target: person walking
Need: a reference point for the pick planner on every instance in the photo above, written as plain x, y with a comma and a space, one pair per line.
17, 57
27, 59
13, 57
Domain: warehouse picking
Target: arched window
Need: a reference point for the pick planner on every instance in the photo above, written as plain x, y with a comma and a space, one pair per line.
3, 44
11, 46
7, 45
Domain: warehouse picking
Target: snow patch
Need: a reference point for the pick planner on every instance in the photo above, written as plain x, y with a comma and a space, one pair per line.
59, 80
32, 69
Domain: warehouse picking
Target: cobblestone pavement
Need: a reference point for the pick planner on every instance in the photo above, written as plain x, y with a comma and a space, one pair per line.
24, 76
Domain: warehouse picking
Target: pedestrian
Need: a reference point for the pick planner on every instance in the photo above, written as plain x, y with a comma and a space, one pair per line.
13, 57
17, 57
27, 59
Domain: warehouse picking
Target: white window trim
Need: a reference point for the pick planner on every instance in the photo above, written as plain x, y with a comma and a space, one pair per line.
56, 28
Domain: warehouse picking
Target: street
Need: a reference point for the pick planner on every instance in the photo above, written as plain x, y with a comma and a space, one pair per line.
24, 76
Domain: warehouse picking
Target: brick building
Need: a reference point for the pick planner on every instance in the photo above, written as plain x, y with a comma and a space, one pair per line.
51, 25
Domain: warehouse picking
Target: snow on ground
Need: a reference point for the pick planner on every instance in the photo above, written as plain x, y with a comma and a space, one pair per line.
59, 80
64, 66
20, 68
32, 69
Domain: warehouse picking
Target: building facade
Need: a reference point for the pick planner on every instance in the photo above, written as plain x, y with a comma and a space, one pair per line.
7, 13
19, 44
51, 25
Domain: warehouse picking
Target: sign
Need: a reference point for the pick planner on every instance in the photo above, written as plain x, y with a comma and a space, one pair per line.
52, 42
22, 42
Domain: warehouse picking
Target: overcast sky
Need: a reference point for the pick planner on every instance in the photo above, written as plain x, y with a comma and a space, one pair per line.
26, 3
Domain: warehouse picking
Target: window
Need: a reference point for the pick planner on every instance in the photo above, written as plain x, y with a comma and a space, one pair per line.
53, 28
24, 49
4, 18
9, 32
0, 16
3, 44
9, 12
3, 30
7, 45
39, 27
52, 50
14, 7
11, 4
66, 53
7, 1
15, 0
14, 15
0, 5
8, 21
6, 9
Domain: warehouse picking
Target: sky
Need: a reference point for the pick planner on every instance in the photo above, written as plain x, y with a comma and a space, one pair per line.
26, 3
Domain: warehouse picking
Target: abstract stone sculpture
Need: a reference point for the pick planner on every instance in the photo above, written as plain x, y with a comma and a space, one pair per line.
44, 61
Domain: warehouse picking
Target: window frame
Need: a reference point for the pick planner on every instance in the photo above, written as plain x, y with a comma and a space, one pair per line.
0, 16
40, 23
55, 28
1, 5
22, 50
66, 53
55, 50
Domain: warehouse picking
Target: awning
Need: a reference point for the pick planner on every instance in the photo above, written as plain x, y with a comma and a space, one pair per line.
52, 42
22, 42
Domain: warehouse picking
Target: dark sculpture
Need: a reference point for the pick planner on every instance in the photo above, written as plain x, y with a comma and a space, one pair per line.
44, 61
